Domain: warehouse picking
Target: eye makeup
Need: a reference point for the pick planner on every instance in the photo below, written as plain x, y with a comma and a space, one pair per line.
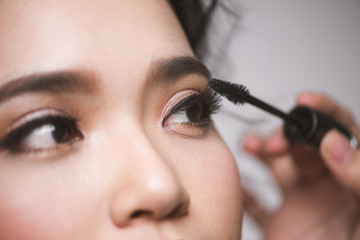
42, 130
51, 130
189, 112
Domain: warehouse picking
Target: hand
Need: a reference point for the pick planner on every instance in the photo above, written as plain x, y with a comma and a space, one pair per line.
321, 188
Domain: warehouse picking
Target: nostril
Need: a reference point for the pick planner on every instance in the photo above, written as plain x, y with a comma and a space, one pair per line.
175, 212
140, 213
179, 211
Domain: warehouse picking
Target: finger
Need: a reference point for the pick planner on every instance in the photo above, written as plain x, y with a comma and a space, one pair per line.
342, 160
255, 210
254, 144
281, 162
285, 172
308, 162
274, 153
277, 145
328, 106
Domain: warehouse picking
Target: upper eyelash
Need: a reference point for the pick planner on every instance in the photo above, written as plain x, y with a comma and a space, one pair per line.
208, 97
15, 136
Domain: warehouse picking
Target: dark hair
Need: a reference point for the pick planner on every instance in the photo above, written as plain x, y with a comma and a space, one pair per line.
194, 17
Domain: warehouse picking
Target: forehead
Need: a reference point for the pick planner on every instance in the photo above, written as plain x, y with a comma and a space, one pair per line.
48, 35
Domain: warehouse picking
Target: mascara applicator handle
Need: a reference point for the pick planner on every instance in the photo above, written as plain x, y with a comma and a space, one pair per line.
313, 127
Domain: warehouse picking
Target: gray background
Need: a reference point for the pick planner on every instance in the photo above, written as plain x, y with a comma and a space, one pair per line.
278, 49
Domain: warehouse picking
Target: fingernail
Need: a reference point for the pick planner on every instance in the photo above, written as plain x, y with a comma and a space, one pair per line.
341, 149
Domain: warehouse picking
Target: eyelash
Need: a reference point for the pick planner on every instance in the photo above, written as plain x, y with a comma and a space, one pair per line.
13, 141
206, 102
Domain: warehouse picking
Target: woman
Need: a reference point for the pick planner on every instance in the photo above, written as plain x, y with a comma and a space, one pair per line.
106, 127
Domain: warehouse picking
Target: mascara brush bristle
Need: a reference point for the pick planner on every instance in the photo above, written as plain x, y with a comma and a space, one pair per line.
235, 93
238, 94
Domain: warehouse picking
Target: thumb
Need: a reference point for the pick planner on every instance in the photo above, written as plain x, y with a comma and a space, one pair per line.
342, 160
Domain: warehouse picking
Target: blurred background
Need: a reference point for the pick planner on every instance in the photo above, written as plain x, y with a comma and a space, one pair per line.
277, 49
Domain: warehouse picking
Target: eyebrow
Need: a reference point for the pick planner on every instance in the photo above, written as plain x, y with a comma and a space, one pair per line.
54, 82
164, 70
169, 70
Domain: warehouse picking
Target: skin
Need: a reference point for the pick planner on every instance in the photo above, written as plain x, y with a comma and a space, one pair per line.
130, 177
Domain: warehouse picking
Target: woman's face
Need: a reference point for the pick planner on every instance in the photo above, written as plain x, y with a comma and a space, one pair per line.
105, 126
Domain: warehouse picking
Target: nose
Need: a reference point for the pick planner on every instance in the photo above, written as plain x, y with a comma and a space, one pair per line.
150, 190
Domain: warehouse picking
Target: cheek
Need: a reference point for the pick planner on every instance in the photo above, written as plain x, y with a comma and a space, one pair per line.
27, 219
209, 173
42, 205
29, 213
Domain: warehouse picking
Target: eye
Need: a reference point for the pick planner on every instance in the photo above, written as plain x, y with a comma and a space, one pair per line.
189, 112
42, 131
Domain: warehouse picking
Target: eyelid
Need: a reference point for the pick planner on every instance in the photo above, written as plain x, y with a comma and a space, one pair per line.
178, 97
28, 117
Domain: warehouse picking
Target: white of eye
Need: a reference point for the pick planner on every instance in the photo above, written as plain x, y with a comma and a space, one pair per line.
40, 138
179, 117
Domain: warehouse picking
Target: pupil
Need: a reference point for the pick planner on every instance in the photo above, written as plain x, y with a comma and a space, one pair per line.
194, 112
61, 133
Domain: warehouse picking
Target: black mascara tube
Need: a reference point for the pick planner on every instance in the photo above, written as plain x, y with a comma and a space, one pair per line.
312, 127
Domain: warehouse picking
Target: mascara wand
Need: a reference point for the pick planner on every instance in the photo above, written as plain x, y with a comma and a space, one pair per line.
239, 94
301, 125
